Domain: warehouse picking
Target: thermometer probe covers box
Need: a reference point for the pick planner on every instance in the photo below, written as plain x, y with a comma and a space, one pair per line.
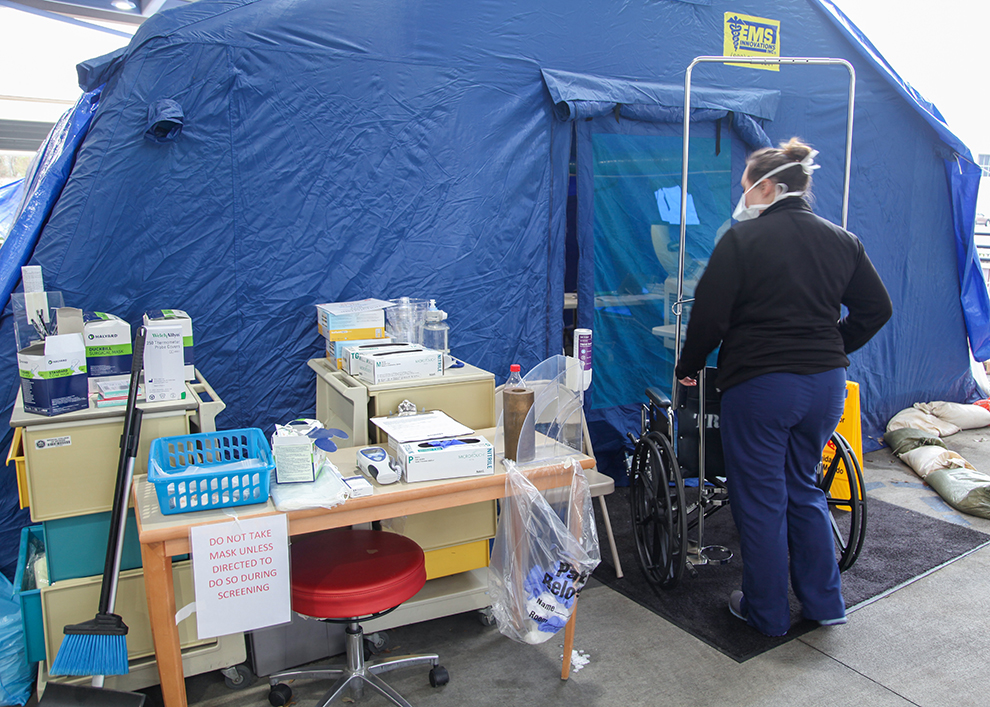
446, 459
177, 315
164, 378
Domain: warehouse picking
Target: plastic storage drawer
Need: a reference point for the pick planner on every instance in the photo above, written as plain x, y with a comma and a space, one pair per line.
76, 600
77, 547
30, 599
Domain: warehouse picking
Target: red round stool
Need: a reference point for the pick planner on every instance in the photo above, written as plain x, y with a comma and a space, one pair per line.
346, 576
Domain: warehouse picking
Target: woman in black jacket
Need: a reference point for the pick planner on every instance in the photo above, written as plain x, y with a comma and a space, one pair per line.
771, 296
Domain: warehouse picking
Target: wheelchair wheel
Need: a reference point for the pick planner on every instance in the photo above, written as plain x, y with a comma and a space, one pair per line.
657, 500
846, 501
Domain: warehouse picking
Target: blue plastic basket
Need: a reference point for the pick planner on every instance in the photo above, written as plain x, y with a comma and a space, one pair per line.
181, 489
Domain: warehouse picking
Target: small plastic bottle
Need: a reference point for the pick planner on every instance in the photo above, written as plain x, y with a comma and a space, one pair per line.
515, 377
436, 331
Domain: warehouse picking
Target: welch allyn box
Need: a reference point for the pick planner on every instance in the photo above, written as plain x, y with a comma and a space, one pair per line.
446, 458
180, 317
163, 367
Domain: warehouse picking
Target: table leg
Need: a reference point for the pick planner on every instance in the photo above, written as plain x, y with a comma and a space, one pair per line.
565, 668
161, 611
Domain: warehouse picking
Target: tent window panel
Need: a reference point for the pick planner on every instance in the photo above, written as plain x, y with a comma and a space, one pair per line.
637, 180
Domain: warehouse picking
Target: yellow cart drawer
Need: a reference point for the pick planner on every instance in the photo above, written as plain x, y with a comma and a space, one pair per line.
453, 560
447, 527
72, 468
16, 455
76, 600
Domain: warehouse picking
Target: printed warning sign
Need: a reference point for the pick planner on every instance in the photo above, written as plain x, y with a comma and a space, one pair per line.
241, 575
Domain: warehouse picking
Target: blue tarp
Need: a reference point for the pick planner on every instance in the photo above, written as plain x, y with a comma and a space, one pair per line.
374, 148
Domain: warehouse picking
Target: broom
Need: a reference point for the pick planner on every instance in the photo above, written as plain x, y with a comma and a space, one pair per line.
99, 647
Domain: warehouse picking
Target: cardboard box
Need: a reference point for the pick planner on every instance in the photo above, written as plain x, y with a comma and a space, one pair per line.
390, 366
446, 459
336, 351
164, 370
108, 348
53, 371
177, 315
351, 321
352, 351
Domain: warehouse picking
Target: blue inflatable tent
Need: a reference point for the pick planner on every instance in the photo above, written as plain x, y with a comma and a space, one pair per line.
251, 158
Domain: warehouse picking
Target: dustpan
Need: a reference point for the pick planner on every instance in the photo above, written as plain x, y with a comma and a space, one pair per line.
59, 695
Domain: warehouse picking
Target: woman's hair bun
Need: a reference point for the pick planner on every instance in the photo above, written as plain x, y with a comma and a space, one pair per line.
795, 149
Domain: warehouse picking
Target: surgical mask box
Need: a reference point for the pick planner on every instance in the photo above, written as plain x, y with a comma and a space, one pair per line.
177, 315
392, 366
349, 321
337, 350
53, 371
446, 459
164, 368
108, 348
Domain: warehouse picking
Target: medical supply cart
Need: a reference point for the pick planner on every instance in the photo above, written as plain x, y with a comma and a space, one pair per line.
456, 540
66, 470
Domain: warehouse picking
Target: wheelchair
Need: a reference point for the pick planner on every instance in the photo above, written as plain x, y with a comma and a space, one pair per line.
671, 494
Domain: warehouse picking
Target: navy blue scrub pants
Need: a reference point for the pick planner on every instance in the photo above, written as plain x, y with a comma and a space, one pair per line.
773, 428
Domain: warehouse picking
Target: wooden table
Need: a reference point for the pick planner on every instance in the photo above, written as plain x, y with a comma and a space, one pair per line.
163, 537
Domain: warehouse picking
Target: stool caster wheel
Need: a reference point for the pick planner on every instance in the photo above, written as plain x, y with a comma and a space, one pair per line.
238, 677
377, 642
439, 676
280, 695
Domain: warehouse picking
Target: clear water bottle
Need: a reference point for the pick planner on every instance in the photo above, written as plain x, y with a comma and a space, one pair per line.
436, 331
515, 377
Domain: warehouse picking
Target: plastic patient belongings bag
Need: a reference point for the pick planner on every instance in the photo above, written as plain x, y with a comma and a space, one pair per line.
16, 674
545, 549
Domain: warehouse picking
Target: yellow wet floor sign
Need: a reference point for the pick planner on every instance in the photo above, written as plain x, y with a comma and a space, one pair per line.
851, 429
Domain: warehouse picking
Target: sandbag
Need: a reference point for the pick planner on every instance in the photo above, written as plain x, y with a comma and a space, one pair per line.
966, 489
920, 420
963, 416
926, 459
908, 438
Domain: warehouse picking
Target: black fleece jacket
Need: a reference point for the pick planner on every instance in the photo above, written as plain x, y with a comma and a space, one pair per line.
771, 296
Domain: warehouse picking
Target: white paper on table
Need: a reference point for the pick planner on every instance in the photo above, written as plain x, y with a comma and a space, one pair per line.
428, 425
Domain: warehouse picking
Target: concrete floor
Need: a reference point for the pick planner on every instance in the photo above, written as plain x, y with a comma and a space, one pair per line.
925, 644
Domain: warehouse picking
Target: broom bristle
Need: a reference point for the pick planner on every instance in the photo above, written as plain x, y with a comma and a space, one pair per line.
97, 647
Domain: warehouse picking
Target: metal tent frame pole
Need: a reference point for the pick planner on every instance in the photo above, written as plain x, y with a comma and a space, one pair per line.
699, 557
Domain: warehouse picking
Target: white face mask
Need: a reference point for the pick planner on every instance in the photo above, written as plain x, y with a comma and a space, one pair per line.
742, 212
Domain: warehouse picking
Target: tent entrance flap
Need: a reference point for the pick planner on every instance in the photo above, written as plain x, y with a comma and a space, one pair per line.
628, 218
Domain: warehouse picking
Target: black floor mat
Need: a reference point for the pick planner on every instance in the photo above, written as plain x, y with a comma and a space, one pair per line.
899, 546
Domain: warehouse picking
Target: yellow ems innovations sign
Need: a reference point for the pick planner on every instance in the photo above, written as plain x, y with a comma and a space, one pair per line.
751, 36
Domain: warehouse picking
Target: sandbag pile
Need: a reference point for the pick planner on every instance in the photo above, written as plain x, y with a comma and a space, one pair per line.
914, 435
